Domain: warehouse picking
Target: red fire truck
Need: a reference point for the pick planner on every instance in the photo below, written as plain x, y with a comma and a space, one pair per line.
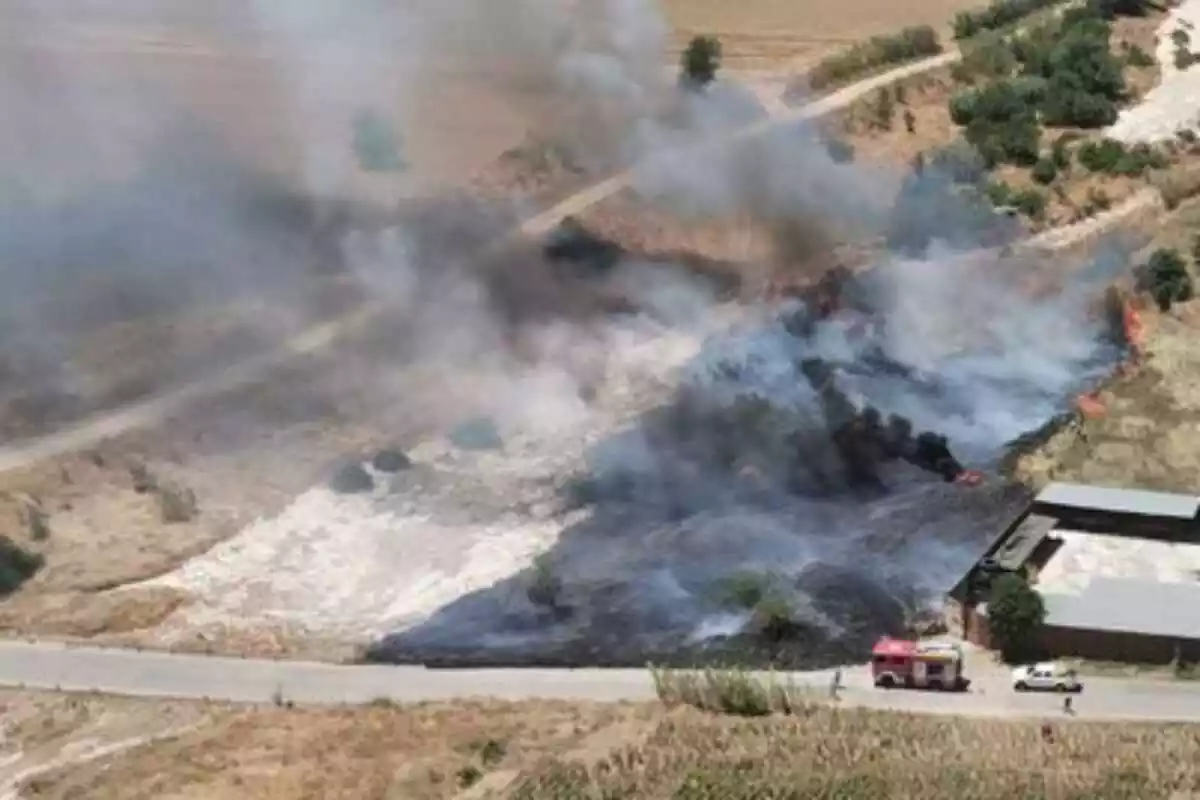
897, 663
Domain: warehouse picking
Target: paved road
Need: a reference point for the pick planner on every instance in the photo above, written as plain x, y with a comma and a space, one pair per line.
62, 667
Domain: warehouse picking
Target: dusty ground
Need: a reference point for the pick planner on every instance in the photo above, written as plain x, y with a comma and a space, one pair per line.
541, 750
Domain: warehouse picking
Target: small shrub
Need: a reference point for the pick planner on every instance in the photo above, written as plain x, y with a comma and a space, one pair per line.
143, 481
17, 565
1184, 58
390, 460
907, 45
37, 521
1138, 58
1186, 136
176, 503
491, 752
1016, 614
1168, 278
885, 109
1101, 156
700, 61
468, 776
544, 588
352, 478
1000, 194
734, 691
1030, 202
840, 151
1045, 171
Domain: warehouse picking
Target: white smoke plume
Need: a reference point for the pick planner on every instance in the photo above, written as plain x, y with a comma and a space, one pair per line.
192, 210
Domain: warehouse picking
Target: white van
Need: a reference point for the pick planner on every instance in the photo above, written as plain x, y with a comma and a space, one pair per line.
1049, 676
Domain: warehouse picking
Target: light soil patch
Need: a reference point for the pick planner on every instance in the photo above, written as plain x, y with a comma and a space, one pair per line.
1171, 105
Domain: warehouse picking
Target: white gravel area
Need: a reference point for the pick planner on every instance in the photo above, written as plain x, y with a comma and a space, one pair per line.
458, 521
1084, 556
1174, 104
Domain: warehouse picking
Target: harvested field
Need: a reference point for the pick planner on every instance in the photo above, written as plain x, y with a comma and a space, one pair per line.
423, 752
554, 750
824, 752
760, 34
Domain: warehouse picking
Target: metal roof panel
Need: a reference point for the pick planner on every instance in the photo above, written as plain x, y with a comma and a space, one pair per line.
1120, 501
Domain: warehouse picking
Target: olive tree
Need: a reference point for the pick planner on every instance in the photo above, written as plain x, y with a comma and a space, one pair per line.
1016, 614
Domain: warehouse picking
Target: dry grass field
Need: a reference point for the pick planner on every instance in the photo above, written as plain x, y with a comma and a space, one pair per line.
70, 747
770, 34
1147, 436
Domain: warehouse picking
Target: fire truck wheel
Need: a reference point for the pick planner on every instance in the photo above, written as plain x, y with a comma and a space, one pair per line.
1021, 686
886, 682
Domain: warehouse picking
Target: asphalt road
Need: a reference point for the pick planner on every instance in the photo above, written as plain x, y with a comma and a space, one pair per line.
51, 666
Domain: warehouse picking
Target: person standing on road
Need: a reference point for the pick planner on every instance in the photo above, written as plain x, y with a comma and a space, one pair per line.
836, 683
1068, 708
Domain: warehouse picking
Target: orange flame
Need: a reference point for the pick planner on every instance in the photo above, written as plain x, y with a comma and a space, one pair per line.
1135, 332
1090, 407
969, 477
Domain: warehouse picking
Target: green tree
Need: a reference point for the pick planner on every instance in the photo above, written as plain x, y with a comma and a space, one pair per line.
1045, 171
1030, 202
544, 588
1168, 278
700, 61
1015, 614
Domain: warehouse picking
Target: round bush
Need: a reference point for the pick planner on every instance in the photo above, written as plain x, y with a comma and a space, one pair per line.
390, 460
352, 478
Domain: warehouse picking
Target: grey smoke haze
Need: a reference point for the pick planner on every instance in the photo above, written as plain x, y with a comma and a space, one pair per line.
156, 205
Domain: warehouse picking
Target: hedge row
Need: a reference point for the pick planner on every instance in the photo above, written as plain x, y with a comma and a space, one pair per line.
910, 44
1000, 14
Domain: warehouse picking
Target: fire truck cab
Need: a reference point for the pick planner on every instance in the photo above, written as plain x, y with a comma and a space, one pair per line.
897, 663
